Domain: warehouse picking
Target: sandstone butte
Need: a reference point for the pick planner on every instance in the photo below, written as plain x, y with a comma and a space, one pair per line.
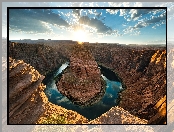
81, 82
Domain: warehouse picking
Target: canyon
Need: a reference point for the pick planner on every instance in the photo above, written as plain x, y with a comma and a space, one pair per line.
28, 103
141, 69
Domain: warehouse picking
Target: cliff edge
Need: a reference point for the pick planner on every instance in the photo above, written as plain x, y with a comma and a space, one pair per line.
28, 103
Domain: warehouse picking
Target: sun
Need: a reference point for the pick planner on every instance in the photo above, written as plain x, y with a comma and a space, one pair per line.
80, 36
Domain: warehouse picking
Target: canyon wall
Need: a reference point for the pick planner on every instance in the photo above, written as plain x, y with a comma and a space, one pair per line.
42, 57
142, 70
28, 103
25, 102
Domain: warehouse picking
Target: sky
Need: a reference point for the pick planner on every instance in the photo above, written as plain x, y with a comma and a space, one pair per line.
124, 26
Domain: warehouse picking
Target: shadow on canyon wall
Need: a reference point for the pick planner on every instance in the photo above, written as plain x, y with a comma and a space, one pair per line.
142, 70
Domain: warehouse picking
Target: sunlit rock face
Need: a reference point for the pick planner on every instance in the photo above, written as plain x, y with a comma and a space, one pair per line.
81, 81
117, 115
141, 68
28, 103
25, 102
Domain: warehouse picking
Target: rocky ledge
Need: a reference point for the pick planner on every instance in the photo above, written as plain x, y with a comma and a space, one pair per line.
142, 69
28, 103
81, 82
117, 115
25, 103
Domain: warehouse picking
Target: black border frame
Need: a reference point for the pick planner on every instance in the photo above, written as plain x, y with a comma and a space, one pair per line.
8, 8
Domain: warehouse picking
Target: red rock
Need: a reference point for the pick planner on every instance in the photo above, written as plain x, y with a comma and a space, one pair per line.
82, 80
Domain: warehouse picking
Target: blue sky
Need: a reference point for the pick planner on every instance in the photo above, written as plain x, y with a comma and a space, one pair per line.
125, 26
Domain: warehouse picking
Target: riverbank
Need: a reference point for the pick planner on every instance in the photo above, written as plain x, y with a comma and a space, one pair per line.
141, 68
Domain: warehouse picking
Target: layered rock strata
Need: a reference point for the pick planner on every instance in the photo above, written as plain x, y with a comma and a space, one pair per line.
42, 57
142, 70
28, 103
25, 103
82, 81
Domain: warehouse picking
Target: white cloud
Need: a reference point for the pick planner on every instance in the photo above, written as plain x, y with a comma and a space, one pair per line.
123, 12
156, 19
170, 12
112, 11
137, 13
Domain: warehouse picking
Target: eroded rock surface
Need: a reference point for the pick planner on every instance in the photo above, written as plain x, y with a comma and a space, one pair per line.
25, 103
142, 70
28, 103
117, 115
42, 57
143, 73
82, 81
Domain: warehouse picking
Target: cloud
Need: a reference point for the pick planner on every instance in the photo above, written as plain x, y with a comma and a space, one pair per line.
133, 30
155, 21
124, 12
112, 11
120, 4
170, 12
76, 12
34, 20
99, 25
94, 12
76, 4
24, 25
137, 13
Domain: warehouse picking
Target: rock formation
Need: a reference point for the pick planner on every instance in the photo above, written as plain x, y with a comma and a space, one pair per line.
142, 70
82, 81
117, 115
25, 103
160, 116
42, 57
28, 103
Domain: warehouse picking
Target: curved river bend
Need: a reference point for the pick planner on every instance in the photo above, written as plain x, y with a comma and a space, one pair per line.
109, 99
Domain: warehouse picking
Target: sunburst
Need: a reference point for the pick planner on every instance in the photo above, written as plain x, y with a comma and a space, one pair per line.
80, 36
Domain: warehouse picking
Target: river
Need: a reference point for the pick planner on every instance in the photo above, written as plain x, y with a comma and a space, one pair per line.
109, 99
